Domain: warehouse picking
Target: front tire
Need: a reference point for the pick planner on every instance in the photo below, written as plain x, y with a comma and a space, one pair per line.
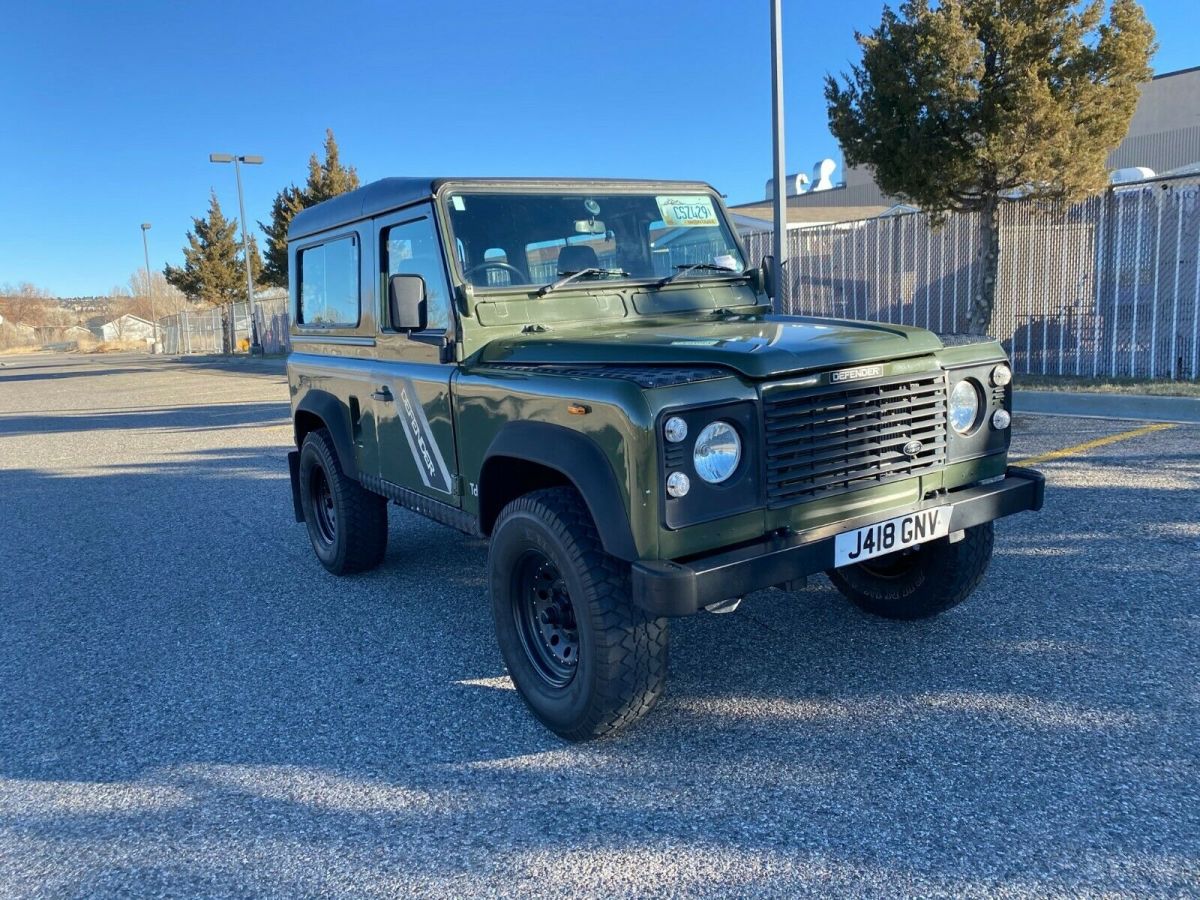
347, 524
922, 581
584, 659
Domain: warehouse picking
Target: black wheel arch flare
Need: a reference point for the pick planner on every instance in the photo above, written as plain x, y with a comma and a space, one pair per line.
335, 417
578, 459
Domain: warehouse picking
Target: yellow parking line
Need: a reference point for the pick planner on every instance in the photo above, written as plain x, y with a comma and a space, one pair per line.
1092, 445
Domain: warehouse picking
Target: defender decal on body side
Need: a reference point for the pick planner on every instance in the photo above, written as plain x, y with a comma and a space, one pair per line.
431, 465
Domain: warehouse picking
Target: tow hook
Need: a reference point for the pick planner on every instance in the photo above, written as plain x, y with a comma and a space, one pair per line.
724, 606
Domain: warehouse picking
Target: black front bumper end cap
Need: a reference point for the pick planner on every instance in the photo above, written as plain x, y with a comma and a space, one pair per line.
666, 588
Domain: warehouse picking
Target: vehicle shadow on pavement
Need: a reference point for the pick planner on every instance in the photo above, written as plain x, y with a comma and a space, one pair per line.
220, 415
22, 373
176, 671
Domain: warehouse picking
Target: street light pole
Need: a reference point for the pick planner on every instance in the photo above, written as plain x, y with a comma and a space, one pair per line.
150, 285
780, 167
255, 346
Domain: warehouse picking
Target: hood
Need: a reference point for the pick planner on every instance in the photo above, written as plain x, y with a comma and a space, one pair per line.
759, 347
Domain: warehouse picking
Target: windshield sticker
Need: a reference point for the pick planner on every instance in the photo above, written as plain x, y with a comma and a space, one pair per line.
686, 211
459, 203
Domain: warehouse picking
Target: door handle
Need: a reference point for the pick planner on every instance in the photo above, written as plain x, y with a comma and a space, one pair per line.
384, 393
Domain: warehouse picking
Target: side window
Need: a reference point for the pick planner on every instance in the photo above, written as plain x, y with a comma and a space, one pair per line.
412, 248
329, 283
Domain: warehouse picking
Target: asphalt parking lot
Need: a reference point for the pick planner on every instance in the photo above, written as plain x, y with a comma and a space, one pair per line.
190, 706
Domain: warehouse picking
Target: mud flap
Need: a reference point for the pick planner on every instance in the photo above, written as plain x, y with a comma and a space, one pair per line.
294, 473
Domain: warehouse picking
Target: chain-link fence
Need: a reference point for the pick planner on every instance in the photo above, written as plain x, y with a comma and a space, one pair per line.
201, 331
271, 317
1109, 287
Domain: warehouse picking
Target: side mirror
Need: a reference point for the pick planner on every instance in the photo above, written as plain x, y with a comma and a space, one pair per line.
768, 277
757, 281
407, 310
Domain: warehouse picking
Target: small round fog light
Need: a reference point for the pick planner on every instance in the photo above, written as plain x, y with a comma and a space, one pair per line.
1001, 419
1001, 375
675, 430
678, 484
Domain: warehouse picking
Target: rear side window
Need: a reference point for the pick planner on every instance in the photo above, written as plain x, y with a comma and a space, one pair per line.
329, 283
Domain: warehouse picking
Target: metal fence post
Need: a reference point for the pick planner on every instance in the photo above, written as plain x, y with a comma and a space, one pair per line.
972, 225
1175, 291
1100, 255
1196, 315
1137, 283
1158, 203
1119, 253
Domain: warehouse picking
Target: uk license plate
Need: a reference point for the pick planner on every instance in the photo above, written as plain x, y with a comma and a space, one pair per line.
887, 537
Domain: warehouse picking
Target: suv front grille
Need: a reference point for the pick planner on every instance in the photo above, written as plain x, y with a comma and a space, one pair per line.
834, 438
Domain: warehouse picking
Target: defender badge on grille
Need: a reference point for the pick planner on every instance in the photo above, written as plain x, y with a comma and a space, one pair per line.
912, 448
853, 374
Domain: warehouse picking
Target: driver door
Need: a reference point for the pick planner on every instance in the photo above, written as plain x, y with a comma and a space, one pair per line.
410, 382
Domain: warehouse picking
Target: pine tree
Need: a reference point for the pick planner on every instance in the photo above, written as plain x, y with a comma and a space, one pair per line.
287, 203
325, 179
956, 106
256, 262
213, 270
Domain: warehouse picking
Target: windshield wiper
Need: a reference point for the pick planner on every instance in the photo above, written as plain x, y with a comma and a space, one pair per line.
568, 277
691, 267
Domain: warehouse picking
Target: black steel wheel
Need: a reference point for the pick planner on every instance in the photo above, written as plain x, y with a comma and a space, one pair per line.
893, 566
545, 618
919, 582
585, 660
347, 524
322, 505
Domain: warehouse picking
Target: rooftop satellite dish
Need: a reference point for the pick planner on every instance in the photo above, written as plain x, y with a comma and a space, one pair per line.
796, 184
821, 175
1130, 174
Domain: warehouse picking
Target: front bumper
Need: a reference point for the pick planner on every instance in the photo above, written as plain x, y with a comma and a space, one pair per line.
667, 588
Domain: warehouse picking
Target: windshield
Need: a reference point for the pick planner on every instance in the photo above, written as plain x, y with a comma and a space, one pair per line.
507, 239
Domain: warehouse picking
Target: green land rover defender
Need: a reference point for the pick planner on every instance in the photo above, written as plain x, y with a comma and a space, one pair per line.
590, 374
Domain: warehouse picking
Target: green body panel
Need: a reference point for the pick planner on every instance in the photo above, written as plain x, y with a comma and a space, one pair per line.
618, 422
756, 346
487, 376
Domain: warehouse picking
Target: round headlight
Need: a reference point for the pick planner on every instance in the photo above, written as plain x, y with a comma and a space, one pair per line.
1001, 375
718, 451
1001, 419
964, 406
675, 430
678, 484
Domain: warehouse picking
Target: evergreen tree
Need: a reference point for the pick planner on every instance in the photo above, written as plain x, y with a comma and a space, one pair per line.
325, 179
287, 203
213, 270
256, 262
956, 106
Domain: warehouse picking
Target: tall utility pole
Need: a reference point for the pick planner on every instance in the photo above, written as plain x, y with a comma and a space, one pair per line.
780, 166
150, 285
255, 346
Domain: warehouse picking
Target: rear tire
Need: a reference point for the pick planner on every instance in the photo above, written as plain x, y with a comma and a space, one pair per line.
584, 659
347, 524
921, 582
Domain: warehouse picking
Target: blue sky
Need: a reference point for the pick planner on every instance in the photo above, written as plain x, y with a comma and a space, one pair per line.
109, 111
